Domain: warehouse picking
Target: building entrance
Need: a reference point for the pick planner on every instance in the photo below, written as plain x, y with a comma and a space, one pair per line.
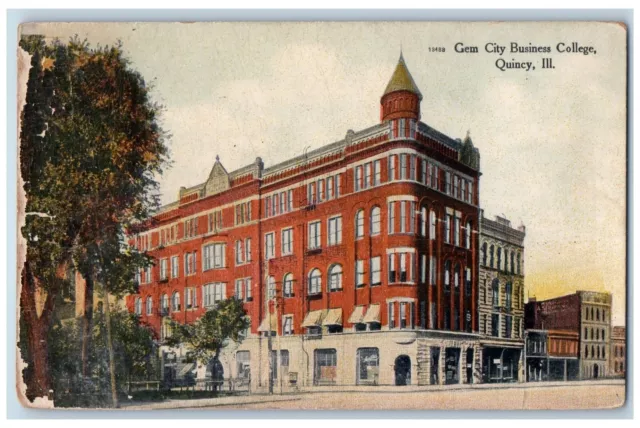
452, 366
595, 371
469, 365
402, 370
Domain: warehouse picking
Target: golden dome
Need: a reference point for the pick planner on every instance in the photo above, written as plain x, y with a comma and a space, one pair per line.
402, 80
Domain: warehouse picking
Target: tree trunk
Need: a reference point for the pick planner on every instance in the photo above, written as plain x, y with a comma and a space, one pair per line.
87, 319
37, 376
112, 362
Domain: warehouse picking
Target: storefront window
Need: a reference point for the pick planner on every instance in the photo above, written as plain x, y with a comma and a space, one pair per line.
326, 362
368, 366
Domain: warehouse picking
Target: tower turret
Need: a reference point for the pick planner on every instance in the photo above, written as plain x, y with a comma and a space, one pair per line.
401, 98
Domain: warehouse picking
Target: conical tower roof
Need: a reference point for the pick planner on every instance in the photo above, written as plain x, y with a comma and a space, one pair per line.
402, 80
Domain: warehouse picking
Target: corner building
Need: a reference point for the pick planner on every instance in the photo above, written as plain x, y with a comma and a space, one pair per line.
357, 262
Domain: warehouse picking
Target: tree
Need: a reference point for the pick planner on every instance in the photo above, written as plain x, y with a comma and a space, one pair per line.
90, 151
209, 334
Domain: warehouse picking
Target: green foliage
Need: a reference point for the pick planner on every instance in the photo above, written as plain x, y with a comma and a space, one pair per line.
211, 332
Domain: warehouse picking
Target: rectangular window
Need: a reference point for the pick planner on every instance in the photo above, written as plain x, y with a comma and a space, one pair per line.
335, 230
495, 325
392, 167
359, 273
507, 326
412, 217
456, 231
358, 179
283, 202
325, 368
376, 172
315, 235
247, 289
148, 274
470, 192
239, 253
456, 186
275, 201
403, 315
433, 315
367, 176
338, 185
321, 190
392, 315
447, 229
447, 182
214, 257
164, 269
423, 172
267, 206
239, 289
432, 270
287, 327
289, 200
329, 187
403, 166
174, 266
311, 194
412, 167
401, 131
190, 298
374, 274
190, 263
403, 216
269, 246
213, 293
391, 267
404, 277
463, 190
287, 241
391, 217
423, 268
247, 249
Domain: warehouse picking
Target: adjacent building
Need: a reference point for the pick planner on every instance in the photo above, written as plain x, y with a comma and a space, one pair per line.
587, 313
356, 262
552, 355
501, 300
618, 351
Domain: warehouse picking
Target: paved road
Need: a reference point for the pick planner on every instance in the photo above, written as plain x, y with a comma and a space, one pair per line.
583, 396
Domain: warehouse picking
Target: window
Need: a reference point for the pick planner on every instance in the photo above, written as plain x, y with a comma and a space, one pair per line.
239, 253
447, 276
359, 273
403, 167
456, 231
314, 235
190, 263
213, 293
360, 224
432, 225
358, 178
275, 202
491, 252
423, 221
287, 329
190, 300
403, 217
433, 315
164, 269
243, 364
247, 249
283, 203
423, 268
376, 172
392, 217
191, 227
392, 315
403, 315
148, 274
149, 305
174, 266
243, 289
433, 175
507, 326
290, 200
447, 182
508, 295
335, 277
287, 241
243, 213
447, 229
495, 286
315, 281
518, 264
456, 186
412, 167
423, 172
288, 285
271, 288
432, 270
329, 187
456, 276
375, 221
463, 190
392, 167
495, 325
269, 246
164, 305
321, 190
367, 176
391, 268
374, 268
215, 221
467, 237
470, 192
325, 368
467, 282
499, 266
311, 194
335, 230
368, 363
175, 301
138, 306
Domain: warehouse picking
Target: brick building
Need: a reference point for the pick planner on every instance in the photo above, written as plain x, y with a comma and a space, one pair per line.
587, 313
552, 355
618, 351
501, 300
357, 260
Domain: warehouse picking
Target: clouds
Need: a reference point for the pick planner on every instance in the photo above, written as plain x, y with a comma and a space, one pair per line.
552, 142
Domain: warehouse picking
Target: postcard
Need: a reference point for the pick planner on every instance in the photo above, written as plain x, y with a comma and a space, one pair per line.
298, 215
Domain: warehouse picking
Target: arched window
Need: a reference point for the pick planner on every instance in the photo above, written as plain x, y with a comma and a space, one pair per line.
271, 287
495, 288
592, 317
335, 277
375, 221
432, 225
597, 314
467, 236
598, 351
288, 285
484, 254
586, 351
591, 334
508, 296
597, 334
149, 305
360, 224
456, 276
447, 272
423, 221
603, 352
164, 304
138, 306
315, 281
603, 338
499, 267
491, 252
593, 351
518, 267
175, 301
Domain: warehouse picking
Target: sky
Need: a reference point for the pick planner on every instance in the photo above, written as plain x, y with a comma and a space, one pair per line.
552, 141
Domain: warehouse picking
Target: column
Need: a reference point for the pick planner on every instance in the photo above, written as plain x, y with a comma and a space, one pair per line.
565, 370
441, 363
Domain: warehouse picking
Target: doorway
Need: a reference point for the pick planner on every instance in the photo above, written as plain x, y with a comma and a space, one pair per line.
595, 371
469, 365
402, 370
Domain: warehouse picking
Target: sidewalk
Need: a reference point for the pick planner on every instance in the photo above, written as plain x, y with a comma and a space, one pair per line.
296, 396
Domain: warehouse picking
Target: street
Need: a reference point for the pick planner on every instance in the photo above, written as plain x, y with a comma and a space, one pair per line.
585, 395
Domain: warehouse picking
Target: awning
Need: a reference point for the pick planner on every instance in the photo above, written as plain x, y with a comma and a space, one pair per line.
357, 315
264, 325
373, 314
334, 317
313, 319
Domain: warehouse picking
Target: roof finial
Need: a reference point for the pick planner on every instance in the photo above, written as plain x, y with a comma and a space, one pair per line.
217, 158
401, 57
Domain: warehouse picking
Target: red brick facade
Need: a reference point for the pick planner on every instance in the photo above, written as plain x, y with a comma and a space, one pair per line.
359, 169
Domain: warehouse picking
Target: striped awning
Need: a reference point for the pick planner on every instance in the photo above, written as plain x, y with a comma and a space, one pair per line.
357, 315
334, 317
373, 314
264, 325
313, 319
